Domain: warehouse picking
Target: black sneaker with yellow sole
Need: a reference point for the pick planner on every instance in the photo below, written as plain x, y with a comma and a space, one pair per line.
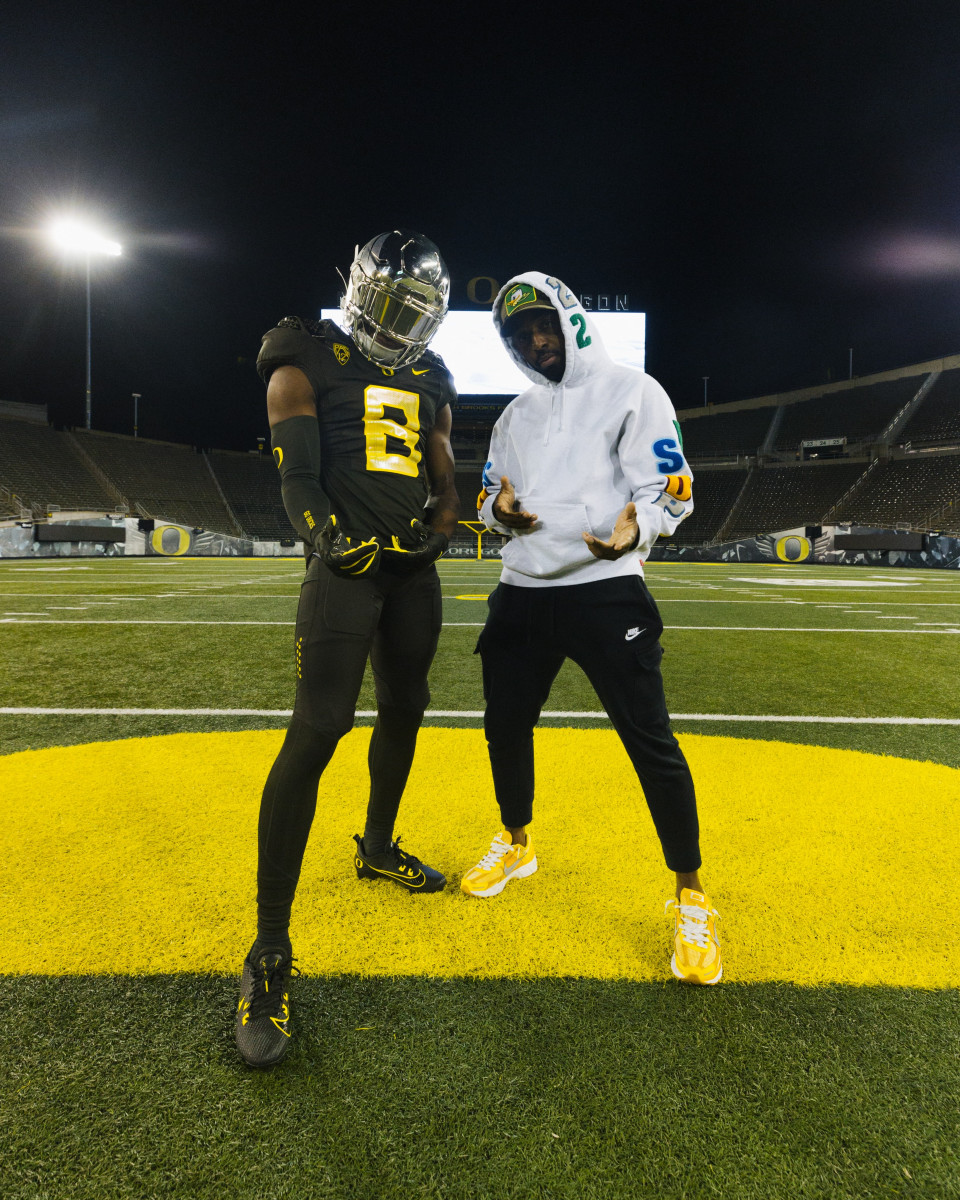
263, 1014
395, 864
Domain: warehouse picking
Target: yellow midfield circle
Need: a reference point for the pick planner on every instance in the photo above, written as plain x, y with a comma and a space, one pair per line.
139, 857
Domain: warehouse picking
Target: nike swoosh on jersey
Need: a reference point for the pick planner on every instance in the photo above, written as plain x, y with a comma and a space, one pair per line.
423, 372
632, 633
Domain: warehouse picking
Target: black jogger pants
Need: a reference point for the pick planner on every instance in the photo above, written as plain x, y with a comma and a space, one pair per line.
611, 628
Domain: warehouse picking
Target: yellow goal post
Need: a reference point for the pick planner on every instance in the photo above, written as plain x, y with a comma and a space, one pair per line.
479, 529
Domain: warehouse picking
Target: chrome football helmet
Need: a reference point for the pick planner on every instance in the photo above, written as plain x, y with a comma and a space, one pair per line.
396, 297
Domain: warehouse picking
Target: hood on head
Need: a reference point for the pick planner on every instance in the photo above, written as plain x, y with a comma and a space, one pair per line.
583, 347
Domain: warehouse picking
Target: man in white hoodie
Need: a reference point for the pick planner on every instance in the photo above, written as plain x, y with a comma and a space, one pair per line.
585, 471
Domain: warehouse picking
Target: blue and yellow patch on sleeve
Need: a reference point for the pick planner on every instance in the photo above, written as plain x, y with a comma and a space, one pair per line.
679, 486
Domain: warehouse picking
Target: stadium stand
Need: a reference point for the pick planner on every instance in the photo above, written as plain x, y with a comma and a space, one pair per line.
859, 414
917, 492
160, 479
471, 447
785, 497
473, 422
251, 484
230, 492
938, 417
9, 505
41, 466
726, 434
469, 483
714, 493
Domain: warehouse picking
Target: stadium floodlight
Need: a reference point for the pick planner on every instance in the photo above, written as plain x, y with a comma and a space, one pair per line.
78, 240
74, 237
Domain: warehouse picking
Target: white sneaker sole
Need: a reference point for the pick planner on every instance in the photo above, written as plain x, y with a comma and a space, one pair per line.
698, 982
519, 873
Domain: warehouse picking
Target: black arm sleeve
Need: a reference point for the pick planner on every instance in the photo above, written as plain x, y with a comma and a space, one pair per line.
296, 451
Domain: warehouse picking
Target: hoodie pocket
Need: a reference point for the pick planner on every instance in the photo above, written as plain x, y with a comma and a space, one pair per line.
554, 545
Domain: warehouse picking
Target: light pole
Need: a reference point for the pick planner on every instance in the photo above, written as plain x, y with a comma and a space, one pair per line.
79, 240
136, 401
705, 378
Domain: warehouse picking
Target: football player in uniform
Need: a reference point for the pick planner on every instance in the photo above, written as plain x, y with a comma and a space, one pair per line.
593, 450
360, 427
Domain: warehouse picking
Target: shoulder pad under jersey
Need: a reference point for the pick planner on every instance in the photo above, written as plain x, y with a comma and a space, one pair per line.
314, 328
293, 342
431, 358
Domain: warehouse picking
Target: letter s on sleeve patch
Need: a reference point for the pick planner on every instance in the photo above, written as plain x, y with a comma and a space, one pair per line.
669, 455
679, 486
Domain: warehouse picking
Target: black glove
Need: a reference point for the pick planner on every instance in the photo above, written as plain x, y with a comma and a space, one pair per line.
429, 547
343, 556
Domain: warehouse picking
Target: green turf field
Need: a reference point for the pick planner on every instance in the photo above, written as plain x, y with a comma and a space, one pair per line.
123, 1084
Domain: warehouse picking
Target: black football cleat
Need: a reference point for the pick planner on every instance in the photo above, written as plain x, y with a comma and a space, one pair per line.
397, 865
263, 1014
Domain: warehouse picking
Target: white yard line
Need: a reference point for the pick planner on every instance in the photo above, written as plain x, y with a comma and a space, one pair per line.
844, 608
132, 621
193, 581
798, 629
471, 624
159, 596
470, 713
112, 596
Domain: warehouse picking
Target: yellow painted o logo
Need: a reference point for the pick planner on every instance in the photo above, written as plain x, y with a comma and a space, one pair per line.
472, 296
183, 540
793, 548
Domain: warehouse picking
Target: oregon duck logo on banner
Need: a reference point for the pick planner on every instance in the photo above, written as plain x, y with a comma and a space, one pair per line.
170, 540
793, 548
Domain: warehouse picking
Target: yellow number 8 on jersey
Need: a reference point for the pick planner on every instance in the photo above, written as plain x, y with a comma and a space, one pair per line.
377, 428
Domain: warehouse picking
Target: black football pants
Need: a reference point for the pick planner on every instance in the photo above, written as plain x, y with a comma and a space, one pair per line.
395, 621
611, 629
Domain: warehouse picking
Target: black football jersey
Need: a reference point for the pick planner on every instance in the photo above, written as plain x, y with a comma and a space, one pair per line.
374, 423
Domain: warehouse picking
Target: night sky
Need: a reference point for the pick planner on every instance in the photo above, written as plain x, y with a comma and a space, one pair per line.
772, 183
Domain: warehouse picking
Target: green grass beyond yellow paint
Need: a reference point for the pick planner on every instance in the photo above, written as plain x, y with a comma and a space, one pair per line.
138, 857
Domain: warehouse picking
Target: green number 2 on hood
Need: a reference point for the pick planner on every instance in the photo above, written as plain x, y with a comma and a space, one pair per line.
579, 322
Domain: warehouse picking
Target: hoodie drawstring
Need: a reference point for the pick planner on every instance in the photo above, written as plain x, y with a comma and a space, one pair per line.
556, 402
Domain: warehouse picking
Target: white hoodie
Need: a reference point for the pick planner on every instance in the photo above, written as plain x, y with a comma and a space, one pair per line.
578, 451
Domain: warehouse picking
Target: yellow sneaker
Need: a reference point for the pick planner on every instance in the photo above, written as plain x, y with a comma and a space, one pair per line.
499, 865
696, 953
